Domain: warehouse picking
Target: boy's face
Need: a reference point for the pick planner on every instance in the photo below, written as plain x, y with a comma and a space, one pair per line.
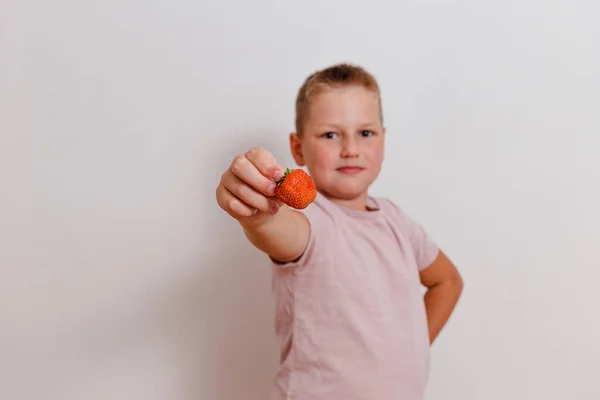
342, 145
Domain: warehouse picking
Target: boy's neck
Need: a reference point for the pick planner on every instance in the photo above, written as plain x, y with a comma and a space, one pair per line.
358, 203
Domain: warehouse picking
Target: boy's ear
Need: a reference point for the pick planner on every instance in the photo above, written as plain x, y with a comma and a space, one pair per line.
296, 148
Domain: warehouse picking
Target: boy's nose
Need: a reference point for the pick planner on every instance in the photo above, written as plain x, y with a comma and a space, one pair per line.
349, 148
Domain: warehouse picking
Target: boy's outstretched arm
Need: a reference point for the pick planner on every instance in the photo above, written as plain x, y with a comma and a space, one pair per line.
444, 286
246, 192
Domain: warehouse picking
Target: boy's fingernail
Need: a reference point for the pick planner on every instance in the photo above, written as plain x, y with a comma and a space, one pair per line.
272, 188
273, 208
278, 174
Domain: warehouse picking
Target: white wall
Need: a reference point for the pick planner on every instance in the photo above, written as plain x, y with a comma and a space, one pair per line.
120, 277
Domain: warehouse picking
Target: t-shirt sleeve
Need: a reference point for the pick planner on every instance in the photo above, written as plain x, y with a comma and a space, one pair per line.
320, 224
424, 247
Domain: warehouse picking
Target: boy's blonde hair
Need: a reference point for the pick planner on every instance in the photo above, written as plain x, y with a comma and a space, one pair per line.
334, 76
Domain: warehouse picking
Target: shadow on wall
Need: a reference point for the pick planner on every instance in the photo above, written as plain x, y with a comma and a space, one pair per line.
228, 332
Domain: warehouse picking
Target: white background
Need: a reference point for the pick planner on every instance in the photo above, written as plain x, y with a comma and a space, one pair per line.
122, 279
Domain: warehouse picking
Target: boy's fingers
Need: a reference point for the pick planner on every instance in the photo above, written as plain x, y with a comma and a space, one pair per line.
239, 208
249, 173
264, 161
251, 197
232, 204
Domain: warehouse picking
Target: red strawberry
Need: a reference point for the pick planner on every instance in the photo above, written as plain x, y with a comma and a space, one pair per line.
296, 189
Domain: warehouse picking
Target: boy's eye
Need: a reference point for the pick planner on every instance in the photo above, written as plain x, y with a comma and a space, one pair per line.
329, 135
366, 133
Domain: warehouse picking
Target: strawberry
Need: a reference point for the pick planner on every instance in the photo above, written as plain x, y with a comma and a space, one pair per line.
296, 189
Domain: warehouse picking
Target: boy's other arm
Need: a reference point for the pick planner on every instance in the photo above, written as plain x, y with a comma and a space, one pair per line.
444, 286
246, 192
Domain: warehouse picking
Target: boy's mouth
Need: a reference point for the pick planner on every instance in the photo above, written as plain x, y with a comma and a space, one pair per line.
350, 170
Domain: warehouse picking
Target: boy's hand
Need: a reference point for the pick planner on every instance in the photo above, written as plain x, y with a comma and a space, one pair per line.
247, 193
247, 187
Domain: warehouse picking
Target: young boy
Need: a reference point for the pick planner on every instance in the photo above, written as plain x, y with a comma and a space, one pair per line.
350, 314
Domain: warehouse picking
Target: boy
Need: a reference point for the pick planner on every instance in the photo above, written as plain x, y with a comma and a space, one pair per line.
347, 270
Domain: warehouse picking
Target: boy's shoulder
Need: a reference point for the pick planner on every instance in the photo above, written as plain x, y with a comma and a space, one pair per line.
393, 210
329, 221
385, 204
389, 207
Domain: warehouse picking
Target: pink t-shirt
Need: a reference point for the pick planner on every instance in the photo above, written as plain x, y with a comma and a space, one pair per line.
349, 313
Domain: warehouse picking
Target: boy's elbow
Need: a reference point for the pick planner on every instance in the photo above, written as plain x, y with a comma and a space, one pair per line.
457, 282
